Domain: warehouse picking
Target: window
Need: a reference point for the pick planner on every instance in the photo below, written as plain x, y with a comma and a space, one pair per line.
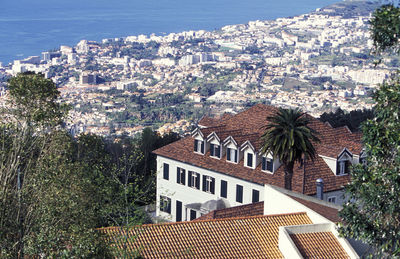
215, 150
343, 167
224, 189
232, 155
193, 214
239, 193
178, 211
256, 196
165, 204
208, 184
332, 199
180, 175
199, 146
267, 164
194, 180
166, 171
344, 162
249, 160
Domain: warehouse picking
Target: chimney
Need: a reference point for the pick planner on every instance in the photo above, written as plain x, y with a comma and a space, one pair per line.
320, 189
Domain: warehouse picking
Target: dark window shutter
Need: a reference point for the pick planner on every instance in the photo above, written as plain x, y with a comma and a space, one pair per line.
224, 188
270, 165
212, 186
190, 178
204, 183
178, 211
212, 149
198, 181
236, 156
256, 196
166, 171
202, 147
239, 193
195, 145
183, 176
218, 151
178, 175
192, 214
162, 205
264, 166
337, 167
249, 159
228, 154
169, 205
347, 167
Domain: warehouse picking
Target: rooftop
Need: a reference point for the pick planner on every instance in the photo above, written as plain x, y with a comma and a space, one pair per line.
245, 237
247, 126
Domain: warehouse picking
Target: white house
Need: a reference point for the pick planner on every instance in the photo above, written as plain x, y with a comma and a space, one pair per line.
220, 165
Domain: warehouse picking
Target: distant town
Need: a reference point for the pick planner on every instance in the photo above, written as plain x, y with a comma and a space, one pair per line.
317, 62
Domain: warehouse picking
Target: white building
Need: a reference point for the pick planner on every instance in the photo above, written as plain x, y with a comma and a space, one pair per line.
221, 165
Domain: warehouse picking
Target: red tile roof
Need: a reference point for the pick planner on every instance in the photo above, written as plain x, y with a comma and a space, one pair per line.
248, 125
257, 208
253, 209
319, 245
246, 237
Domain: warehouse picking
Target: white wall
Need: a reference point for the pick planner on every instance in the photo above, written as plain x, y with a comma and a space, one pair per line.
331, 162
276, 202
340, 200
187, 195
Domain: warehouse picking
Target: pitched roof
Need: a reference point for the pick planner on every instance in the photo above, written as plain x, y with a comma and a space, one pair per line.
248, 126
253, 209
246, 237
319, 245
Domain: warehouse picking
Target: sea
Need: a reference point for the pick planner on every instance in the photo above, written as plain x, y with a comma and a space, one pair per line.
29, 27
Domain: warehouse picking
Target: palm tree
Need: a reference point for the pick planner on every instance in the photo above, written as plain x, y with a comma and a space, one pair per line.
288, 138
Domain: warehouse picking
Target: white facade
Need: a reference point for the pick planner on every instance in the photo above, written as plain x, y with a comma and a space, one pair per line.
190, 195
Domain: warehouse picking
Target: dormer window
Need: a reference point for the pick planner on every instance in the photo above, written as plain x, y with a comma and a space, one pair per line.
250, 159
215, 150
267, 164
199, 146
232, 155
344, 163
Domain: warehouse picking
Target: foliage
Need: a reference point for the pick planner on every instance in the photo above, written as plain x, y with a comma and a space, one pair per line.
289, 138
352, 119
56, 190
374, 216
34, 100
385, 28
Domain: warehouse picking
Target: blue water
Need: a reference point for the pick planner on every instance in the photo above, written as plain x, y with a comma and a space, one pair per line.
28, 27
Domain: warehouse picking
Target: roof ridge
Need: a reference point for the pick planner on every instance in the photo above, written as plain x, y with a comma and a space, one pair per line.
207, 220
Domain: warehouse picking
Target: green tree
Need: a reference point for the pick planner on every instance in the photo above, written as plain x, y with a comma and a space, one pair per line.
373, 214
373, 211
47, 202
34, 100
289, 138
385, 28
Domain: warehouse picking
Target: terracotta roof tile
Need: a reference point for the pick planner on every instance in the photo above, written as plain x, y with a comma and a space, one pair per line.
253, 209
246, 237
319, 245
328, 212
257, 208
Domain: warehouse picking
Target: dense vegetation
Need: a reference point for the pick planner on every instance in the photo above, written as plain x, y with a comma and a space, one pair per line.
55, 189
352, 119
373, 213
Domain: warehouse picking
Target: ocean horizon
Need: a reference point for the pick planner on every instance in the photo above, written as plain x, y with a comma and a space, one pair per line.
31, 27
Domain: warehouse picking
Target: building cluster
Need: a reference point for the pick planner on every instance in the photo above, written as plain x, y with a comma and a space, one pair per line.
318, 62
